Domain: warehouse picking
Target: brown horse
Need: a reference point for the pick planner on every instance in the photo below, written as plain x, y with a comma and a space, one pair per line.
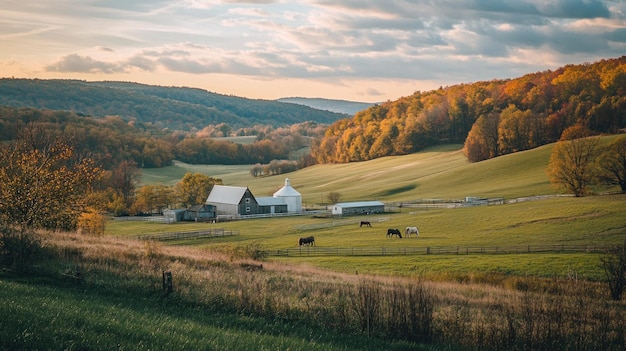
365, 223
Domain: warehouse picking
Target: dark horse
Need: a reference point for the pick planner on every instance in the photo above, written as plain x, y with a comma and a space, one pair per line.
392, 232
308, 241
366, 223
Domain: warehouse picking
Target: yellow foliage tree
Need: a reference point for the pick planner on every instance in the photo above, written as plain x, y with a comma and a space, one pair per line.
572, 162
91, 222
44, 182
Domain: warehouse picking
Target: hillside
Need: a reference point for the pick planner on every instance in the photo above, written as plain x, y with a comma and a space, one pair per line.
437, 173
491, 118
176, 108
339, 106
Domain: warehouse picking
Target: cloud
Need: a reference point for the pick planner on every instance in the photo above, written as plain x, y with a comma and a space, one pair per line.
76, 63
322, 40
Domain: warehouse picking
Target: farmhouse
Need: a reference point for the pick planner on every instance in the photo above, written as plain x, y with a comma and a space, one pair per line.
360, 207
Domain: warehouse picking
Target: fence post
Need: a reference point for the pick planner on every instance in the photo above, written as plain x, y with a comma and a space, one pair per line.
167, 282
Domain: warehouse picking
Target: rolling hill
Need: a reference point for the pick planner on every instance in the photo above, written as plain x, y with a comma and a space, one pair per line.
441, 172
339, 106
177, 108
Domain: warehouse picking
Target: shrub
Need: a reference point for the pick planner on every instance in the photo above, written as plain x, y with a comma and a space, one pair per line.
19, 248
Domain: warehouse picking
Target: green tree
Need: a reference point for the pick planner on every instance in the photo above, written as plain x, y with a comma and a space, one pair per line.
572, 162
44, 181
612, 163
194, 188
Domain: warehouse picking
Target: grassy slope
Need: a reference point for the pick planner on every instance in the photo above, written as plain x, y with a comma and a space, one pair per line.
443, 173
438, 173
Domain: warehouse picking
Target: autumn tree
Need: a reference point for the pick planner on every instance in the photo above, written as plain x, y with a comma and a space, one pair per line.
572, 162
482, 140
194, 188
124, 180
612, 164
153, 198
44, 181
91, 222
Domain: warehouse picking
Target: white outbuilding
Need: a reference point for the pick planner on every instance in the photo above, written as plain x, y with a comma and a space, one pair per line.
357, 208
291, 196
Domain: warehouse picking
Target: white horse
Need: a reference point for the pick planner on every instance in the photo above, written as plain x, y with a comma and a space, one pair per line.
412, 230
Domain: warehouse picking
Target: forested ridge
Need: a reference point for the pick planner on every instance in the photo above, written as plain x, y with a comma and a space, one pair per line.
491, 118
111, 140
175, 108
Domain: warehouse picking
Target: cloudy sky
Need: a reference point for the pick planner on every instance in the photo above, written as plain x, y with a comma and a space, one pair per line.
362, 50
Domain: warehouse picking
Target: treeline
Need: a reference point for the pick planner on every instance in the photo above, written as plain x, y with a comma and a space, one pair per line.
174, 108
491, 118
112, 140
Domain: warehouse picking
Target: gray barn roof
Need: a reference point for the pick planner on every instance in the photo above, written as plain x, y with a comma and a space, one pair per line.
270, 201
226, 194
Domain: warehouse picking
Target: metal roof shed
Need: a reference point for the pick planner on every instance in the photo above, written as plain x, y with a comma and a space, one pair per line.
358, 207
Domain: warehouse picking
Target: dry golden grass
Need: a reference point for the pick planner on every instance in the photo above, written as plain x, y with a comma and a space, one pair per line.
487, 312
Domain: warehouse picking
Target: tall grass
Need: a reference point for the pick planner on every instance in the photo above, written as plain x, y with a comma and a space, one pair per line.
119, 303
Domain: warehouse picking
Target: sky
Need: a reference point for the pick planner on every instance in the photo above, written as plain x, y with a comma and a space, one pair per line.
357, 50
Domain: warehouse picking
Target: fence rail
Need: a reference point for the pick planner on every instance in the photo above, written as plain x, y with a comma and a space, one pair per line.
433, 250
202, 234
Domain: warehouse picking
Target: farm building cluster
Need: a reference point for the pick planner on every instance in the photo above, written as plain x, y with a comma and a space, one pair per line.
235, 202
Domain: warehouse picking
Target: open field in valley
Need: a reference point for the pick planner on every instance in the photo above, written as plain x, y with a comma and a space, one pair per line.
438, 173
234, 292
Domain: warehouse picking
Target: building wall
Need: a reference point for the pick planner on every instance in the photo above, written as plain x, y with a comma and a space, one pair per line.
248, 204
339, 210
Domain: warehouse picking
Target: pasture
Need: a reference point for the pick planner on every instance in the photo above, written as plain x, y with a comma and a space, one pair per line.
596, 220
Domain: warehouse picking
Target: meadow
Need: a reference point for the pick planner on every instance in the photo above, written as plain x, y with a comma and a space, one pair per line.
231, 293
438, 173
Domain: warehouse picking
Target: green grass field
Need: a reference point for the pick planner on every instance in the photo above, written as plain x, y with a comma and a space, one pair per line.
437, 173
319, 302
597, 220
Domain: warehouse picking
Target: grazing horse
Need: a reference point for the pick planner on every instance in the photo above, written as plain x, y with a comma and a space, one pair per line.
391, 232
412, 230
366, 223
308, 241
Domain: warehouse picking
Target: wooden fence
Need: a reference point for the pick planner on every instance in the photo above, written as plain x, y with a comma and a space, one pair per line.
202, 234
433, 250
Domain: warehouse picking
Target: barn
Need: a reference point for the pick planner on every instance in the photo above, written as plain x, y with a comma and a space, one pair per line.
236, 201
232, 200
359, 207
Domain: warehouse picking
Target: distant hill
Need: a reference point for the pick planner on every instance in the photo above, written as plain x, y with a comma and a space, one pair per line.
176, 108
339, 106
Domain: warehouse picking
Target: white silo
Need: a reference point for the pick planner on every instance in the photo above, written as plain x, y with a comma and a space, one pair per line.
292, 198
